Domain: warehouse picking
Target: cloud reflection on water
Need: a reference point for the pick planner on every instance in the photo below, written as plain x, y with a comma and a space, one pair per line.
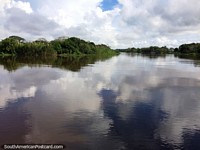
155, 99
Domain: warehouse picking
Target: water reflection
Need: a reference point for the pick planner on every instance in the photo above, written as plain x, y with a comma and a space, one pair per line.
13, 126
195, 58
70, 63
126, 102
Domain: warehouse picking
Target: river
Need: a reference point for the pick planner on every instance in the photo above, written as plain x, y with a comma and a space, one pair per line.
123, 103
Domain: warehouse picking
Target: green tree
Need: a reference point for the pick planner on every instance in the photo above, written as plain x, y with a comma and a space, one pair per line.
9, 46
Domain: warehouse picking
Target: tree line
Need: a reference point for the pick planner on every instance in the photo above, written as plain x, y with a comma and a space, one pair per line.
188, 48
192, 48
17, 46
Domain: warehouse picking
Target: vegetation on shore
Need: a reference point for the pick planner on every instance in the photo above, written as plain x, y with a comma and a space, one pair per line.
17, 46
193, 48
148, 50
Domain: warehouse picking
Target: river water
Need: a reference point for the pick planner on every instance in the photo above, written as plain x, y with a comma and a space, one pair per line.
127, 102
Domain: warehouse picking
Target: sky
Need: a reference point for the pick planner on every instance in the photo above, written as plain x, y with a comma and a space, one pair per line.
117, 23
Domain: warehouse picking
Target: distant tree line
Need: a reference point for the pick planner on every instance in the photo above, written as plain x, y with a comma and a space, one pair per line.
15, 45
148, 50
183, 49
188, 48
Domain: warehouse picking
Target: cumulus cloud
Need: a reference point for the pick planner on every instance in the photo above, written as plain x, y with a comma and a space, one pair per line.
19, 21
136, 23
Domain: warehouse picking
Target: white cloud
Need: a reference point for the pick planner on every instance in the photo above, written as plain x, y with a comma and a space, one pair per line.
131, 23
67, 13
33, 24
7, 4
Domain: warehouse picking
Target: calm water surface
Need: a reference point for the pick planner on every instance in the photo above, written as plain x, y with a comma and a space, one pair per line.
123, 103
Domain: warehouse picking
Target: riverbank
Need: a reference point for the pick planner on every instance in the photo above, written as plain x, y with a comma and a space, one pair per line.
190, 49
17, 46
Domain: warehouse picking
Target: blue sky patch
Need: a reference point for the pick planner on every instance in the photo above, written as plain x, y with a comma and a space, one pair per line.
108, 4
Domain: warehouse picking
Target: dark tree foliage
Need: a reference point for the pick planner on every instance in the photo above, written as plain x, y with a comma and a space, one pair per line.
75, 45
9, 46
148, 50
15, 45
189, 48
183, 49
18, 38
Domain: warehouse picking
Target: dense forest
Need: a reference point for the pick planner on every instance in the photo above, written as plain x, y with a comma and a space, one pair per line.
188, 48
193, 48
148, 50
17, 46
